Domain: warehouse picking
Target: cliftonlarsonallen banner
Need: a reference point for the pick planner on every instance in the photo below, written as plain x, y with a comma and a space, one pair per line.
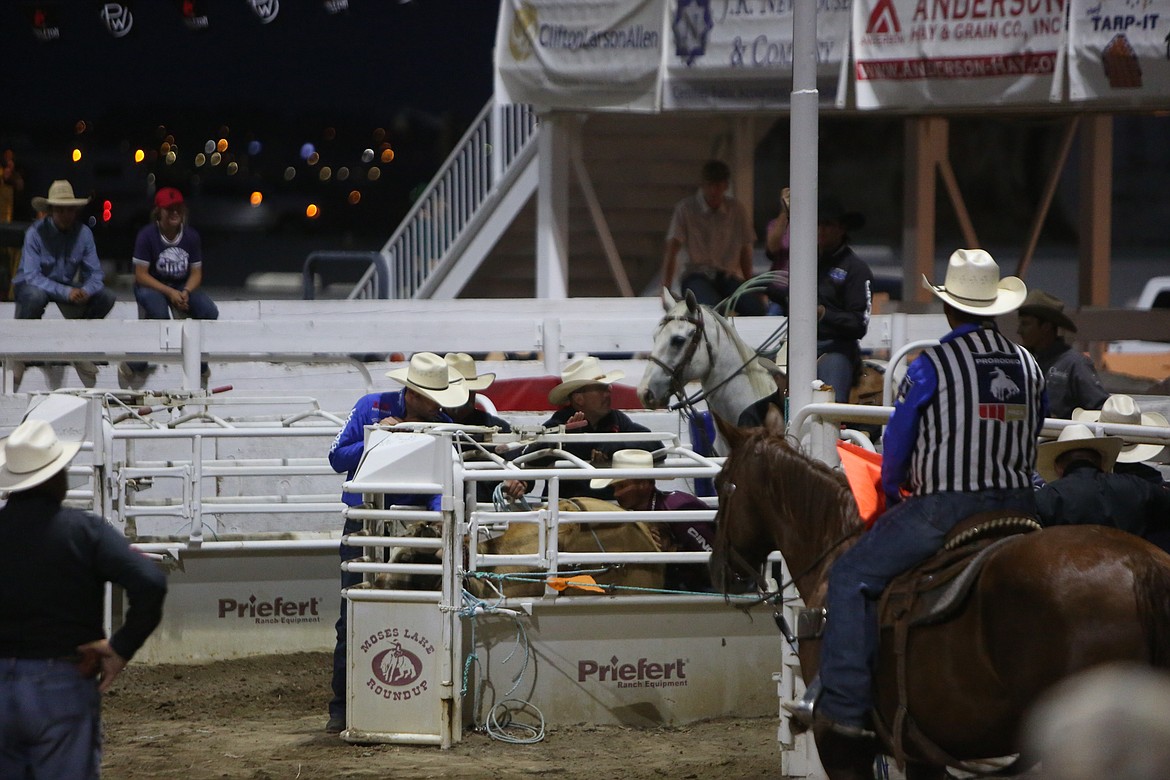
580, 53
737, 54
951, 53
1119, 51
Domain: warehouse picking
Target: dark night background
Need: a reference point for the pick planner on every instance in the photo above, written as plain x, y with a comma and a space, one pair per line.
380, 75
409, 77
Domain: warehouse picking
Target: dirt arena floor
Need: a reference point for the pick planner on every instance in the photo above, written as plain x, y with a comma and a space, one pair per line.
263, 719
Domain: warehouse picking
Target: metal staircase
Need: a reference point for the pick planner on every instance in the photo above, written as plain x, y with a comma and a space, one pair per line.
469, 203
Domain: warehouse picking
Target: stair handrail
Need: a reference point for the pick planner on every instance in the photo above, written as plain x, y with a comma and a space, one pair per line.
473, 172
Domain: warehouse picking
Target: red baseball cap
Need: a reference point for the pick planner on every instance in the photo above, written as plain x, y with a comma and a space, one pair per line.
168, 197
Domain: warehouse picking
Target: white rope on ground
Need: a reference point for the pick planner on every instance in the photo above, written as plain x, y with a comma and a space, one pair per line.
500, 725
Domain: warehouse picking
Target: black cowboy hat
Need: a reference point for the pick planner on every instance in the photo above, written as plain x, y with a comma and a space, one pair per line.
830, 210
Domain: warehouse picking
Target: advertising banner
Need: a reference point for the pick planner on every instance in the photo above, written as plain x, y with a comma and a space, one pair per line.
1119, 51
954, 53
393, 671
737, 54
583, 54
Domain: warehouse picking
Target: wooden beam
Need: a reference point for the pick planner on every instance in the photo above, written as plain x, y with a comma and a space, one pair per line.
922, 136
1096, 209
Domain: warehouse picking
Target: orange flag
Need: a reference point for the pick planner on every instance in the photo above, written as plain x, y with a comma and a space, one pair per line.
863, 469
582, 581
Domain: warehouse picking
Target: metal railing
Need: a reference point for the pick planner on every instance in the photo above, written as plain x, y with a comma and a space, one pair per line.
473, 174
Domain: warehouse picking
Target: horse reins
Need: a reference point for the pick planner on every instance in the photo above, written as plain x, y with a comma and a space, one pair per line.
677, 386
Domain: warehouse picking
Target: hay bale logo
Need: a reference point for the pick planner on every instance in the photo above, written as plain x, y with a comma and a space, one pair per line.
523, 32
396, 666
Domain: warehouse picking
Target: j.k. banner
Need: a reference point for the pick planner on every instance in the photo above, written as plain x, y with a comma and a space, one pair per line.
737, 54
932, 53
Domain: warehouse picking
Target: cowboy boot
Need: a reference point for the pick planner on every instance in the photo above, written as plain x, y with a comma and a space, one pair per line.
800, 713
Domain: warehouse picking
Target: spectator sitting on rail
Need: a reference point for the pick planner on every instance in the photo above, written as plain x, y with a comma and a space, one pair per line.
637, 494
716, 233
430, 384
1070, 377
586, 402
55, 658
1123, 410
1083, 489
168, 271
59, 263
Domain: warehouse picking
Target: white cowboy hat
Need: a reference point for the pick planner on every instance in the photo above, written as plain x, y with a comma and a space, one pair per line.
625, 459
1076, 437
972, 284
60, 194
429, 375
1124, 410
465, 365
578, 374
33, 454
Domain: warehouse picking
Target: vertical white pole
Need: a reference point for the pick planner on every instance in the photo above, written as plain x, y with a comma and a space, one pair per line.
804, 146
552, 208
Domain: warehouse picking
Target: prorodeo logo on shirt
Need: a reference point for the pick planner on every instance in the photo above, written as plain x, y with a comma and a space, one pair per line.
642, 673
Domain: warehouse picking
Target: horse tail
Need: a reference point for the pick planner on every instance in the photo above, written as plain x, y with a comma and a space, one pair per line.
1152, 592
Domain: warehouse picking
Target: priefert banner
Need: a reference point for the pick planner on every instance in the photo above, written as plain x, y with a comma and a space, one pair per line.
954, 53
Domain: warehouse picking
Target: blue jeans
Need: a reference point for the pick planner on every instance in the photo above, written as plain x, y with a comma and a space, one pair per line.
710, 289
31, 303
902, 537
348, 580
155, 306
836, 369
50, 721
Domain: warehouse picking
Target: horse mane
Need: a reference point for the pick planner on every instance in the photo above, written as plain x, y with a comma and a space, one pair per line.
759, 377
805, 492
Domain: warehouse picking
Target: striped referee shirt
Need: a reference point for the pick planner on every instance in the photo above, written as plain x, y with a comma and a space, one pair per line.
966, 418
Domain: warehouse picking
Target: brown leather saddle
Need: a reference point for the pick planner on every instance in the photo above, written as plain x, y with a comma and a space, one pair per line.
931, 593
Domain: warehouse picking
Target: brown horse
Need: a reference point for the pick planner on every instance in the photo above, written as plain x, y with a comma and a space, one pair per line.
1047, 605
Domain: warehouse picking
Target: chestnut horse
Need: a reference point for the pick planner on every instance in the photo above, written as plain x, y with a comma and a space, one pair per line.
1047, 604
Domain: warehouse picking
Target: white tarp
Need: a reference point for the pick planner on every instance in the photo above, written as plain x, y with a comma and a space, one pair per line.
932, 53
1119, 51
738, 53
580, 53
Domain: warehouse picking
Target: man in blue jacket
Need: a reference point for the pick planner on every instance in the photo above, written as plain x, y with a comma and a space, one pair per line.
430, 384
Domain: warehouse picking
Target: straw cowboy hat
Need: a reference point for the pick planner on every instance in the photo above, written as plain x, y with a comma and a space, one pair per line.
972, 284
429, 375
1124, 410
60, 194
1049, 308
625, 459
33, 454
1076, 437
578, 374
465, 365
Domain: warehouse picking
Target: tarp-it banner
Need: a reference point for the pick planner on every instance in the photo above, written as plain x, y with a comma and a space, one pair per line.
954, 53
737, 54
580, 53
1119, 51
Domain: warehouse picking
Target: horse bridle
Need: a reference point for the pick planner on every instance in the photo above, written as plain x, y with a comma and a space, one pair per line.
674, 373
